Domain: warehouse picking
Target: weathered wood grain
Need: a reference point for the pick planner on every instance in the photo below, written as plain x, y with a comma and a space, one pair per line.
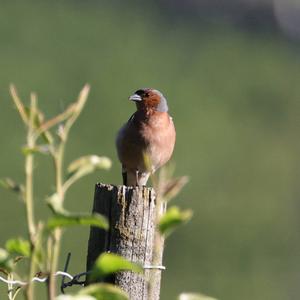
132, 214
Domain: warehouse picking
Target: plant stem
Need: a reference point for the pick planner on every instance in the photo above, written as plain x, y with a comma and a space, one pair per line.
29, 196
154, 280
56, 249
10, 287
58, 161
29, 162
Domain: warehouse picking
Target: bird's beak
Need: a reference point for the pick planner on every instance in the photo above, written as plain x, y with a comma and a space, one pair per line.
135, 97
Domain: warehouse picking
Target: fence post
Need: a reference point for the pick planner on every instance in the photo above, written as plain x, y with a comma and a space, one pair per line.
132, 214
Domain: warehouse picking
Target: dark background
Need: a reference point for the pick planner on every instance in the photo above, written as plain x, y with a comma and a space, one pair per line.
230, 71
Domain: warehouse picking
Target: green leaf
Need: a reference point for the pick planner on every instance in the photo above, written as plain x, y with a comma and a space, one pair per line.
95, 219
93, 161
55, 203
104, 291
172, 219
109, 263
194, 296
6, 263
84, 166
75, 297
11, 185
18, 246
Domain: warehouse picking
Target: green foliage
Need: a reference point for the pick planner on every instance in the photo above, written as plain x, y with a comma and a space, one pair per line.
194, 296
104, 291
98, 291
42, 248
77, 219
84, 166
89, 161
172, 219
55, 204
75, 297
18, 246
234, 97
109, 263
6, 263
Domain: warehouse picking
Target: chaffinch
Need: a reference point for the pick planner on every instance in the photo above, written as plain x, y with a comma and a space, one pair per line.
147, 140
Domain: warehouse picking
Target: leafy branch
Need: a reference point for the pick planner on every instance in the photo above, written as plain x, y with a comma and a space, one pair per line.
39, 253
49, 137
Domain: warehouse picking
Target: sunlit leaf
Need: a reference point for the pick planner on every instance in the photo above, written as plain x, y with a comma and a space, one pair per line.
55, 203
83, 171
108, 263
172, 219
63, 218
18, 246
194, 296
96, 220
75, 297
104, 291
11, 185
84, 166
6, 263
97, 162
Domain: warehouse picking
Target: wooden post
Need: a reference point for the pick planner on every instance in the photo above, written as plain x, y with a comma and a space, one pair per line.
132, 213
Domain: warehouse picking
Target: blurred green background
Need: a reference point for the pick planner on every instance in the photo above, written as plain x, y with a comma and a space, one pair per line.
233, 90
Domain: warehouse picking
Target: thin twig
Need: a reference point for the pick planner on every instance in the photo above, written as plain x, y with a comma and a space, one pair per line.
58, 157
18, 103
29, 162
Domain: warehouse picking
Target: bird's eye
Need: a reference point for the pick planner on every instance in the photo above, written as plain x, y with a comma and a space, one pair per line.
140, 92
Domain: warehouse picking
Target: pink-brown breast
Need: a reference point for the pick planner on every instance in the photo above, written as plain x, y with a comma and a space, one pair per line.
153, 134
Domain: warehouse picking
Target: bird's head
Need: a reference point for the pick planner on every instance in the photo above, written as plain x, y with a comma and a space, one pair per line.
149, 99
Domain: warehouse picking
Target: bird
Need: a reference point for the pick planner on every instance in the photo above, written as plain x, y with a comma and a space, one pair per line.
146, 142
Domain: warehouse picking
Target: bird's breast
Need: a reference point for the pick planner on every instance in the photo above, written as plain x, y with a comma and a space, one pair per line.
153, 136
